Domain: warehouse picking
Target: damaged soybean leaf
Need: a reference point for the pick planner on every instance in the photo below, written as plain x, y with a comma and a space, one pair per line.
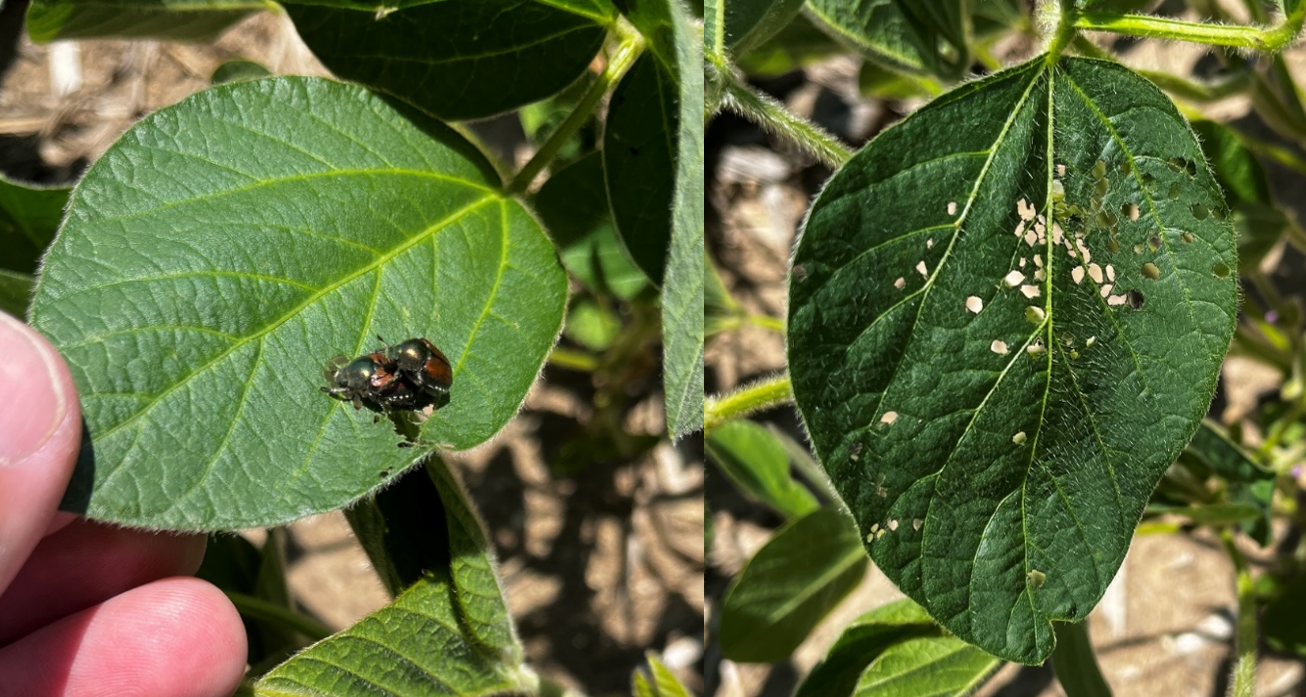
1007, 317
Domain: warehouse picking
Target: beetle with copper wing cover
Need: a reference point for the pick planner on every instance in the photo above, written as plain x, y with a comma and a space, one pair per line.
409, 376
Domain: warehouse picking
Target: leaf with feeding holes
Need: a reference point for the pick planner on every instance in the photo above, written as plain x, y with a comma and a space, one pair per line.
1007, 317
174, 20
806, 568
458, 59
221, 252
897, 650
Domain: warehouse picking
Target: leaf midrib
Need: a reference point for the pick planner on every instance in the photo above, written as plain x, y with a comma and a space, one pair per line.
411, 242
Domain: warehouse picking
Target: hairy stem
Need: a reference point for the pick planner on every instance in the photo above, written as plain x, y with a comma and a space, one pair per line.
1260, 38
739, 97
742, 402
1243, 683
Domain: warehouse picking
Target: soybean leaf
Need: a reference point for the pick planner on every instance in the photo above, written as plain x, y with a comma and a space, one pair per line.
658, 682
738, 25
1281, 618
902, 34
15, 292
796, 46
1249, 482
591, 325
574, 208
1260, 224
789, 585
1007, 317
174, 20
653, 162
29, 217
235, 71
639, 162
758, 464
225, 248
413, 647
458, 59
896, 649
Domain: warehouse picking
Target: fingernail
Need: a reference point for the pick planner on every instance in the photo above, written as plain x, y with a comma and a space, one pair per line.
33, 406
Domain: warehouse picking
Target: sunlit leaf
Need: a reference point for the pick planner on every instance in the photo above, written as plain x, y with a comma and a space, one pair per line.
1007, 317
897, 650
789, 585
218, 255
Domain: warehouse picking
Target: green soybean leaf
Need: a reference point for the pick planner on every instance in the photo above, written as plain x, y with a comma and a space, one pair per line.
173, 20
218, 255
653, 161
458, 59
15, 292
659, 681
789, 585
1249, 483
574, 208
758, 464
1007, 317
796, 46
896, 649
921, 38
591, 325
1260, 224
739, 25
29, 217
478, 594
413, 647
235, 71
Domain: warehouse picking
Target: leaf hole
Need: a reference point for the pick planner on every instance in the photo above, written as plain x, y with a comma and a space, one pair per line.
1153, 242
1150, 271
999, 347
1199, 211
1099, 169
1221, 270
1187, 237
952, 207
1129, 210
1019, 438
1174, 192
975, 303
1135, 298
900, 283
888, 418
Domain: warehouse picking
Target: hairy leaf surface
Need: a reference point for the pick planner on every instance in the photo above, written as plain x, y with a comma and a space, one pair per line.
218, 255
1007, 317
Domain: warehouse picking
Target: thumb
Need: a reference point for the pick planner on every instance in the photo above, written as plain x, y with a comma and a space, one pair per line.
40, 433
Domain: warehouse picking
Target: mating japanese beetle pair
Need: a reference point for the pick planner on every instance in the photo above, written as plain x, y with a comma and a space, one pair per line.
409, 376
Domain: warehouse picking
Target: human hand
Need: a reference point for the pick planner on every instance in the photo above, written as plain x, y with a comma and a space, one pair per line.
89, 609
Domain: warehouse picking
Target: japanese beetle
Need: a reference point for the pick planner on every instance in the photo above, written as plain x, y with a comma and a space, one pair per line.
409, 376
420, 361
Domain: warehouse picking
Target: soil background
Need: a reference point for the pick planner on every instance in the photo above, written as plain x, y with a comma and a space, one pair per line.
598, 567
